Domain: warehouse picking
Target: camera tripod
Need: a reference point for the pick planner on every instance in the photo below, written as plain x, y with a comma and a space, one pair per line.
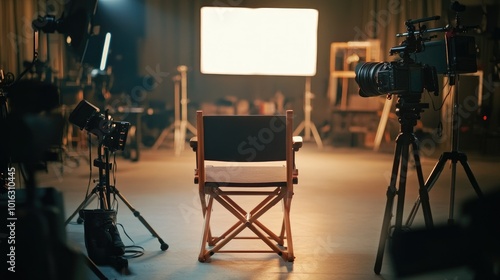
408, 111
104, 190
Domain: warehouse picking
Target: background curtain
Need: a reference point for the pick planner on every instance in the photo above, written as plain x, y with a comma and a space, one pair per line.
17, 36
16, 41
383, 19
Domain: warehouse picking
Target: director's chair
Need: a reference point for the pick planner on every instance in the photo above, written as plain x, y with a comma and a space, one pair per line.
246, 156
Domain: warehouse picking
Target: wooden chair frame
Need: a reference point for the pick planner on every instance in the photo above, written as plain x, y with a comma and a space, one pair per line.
271, 192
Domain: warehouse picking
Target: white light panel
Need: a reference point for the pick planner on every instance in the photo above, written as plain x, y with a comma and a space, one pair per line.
262, 41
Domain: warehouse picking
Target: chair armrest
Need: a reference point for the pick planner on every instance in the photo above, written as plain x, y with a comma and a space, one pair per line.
297, 142
193, 143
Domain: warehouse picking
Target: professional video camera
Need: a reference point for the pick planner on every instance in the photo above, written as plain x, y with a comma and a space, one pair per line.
404, 76
397, 77
411, 75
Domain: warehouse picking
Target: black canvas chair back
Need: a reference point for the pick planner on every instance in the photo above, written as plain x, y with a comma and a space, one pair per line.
245, 138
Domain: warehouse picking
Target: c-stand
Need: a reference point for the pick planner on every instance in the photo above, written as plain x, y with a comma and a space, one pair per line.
104, 190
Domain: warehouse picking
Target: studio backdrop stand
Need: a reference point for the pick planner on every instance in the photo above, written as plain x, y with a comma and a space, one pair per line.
408, 111
181, 123
307, 125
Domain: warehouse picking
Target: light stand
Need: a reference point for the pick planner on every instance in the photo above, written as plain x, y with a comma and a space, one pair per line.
454, 155
175, 126
112, 136
105, 189
100, 189
306, 124
181, 122
185, 124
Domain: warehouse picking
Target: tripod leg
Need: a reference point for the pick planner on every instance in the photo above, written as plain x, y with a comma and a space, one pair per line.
84, 204
316, 136
436, 171
423, 191
457, 156
391, 193
163, 246
470, 175
431, 180
95, 269
299, 128
402, 186
162, 137
452, 190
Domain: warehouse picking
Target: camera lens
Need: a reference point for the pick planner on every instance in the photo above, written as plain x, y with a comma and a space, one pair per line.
366, 77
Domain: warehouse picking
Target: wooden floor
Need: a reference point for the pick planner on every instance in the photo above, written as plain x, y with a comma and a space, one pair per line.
337, 214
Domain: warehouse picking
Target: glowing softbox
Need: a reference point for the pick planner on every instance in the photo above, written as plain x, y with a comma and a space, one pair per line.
263, 41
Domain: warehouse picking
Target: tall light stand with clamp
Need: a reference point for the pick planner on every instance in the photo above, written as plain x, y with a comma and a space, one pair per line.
456, 65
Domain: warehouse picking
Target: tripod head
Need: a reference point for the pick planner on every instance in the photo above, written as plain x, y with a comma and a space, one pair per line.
408, 109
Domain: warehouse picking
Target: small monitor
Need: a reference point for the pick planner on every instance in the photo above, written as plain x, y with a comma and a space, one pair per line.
434, 54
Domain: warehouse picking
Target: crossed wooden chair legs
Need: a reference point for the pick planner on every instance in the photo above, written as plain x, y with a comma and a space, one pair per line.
276, 242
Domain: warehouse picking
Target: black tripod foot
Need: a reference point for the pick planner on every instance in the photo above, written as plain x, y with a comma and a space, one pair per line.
137, 214
163, 246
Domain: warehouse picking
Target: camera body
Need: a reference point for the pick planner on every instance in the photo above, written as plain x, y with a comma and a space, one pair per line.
397, 77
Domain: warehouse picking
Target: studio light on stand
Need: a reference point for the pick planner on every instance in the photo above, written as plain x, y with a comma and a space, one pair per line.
461, 58
112, 136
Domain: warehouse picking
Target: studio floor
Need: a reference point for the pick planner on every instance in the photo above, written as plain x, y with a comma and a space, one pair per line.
337, 212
